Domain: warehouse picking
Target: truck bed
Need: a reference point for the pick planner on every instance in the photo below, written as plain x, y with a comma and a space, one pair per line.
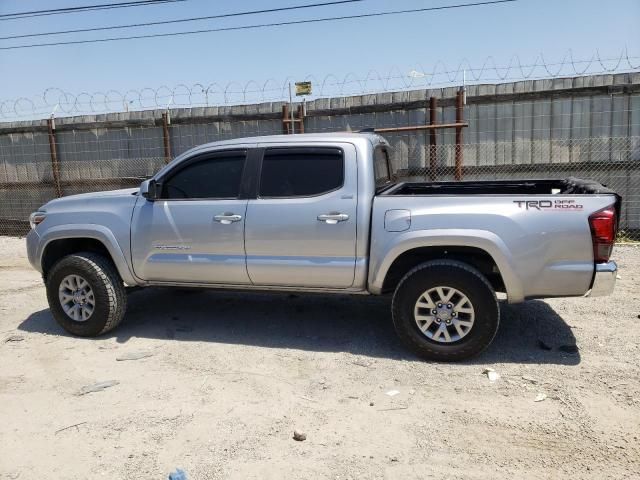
567, 186
539, 227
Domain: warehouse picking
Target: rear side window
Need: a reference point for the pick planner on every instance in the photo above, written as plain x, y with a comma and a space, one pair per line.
381, 166
216, 177
301, 172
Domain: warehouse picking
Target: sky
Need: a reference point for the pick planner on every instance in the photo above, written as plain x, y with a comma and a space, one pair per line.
400, 44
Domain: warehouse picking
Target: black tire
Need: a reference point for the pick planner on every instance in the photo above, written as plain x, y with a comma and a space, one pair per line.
462, 277
107, 286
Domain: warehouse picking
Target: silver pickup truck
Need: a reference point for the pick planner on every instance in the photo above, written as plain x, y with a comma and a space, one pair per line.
321, 213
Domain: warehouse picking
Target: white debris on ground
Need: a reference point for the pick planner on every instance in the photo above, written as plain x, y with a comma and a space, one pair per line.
491, 374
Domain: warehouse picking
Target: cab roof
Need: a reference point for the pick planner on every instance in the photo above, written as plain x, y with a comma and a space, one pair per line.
300, 138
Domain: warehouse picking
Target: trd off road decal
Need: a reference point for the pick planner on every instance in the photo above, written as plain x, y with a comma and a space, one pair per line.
565, 205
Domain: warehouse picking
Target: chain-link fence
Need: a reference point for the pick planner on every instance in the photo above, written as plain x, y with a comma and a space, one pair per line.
116, 158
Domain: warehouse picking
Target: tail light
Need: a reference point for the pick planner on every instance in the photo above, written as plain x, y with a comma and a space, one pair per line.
603, 225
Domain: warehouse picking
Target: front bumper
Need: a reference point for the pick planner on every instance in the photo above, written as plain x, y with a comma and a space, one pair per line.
604, 279
33, 240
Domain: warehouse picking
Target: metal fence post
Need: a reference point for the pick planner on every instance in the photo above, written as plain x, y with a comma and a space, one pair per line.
55, 165
433, 152
300, 118
459, 117
286, 124
165, 137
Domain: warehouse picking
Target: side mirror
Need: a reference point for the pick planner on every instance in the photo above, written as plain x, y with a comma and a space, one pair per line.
149, 190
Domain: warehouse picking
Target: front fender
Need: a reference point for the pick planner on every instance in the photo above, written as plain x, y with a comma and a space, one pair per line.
383, 256
93, 231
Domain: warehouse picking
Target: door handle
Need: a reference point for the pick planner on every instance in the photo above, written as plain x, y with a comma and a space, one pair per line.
227, 218
333, 218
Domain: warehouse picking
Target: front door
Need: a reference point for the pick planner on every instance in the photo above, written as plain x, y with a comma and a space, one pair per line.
195, 232
301, 228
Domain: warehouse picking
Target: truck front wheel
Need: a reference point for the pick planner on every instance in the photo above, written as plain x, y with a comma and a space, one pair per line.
445, 310
86, 294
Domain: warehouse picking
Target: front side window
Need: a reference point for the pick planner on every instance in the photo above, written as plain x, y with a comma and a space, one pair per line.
300, 172
214, 177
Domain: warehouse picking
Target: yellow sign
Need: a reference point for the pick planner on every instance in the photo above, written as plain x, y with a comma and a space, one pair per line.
303, 88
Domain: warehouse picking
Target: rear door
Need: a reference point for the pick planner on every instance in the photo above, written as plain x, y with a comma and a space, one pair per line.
195, 232
301, 228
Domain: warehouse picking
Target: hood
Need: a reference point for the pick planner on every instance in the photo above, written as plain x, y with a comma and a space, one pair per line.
123, 192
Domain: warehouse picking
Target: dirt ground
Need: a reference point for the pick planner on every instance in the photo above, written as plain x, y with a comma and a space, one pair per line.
230, 376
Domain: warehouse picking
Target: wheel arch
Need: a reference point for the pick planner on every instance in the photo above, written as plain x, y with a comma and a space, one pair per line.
59, 242
482, 250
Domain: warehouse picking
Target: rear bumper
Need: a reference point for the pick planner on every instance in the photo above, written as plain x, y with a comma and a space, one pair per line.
604, 279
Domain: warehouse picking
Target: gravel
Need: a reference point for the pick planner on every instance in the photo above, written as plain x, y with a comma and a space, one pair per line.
233, 374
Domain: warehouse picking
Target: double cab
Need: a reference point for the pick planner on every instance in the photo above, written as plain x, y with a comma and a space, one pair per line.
322, 213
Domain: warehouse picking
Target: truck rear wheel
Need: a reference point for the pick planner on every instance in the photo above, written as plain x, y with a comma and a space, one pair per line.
445, 310
86, 294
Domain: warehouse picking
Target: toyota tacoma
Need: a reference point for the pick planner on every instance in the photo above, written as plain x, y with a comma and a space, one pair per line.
322, 213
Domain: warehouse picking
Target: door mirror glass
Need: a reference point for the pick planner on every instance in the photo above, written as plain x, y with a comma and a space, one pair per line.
149, 189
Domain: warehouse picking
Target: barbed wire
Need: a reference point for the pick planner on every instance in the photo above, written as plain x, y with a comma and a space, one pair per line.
55, 100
